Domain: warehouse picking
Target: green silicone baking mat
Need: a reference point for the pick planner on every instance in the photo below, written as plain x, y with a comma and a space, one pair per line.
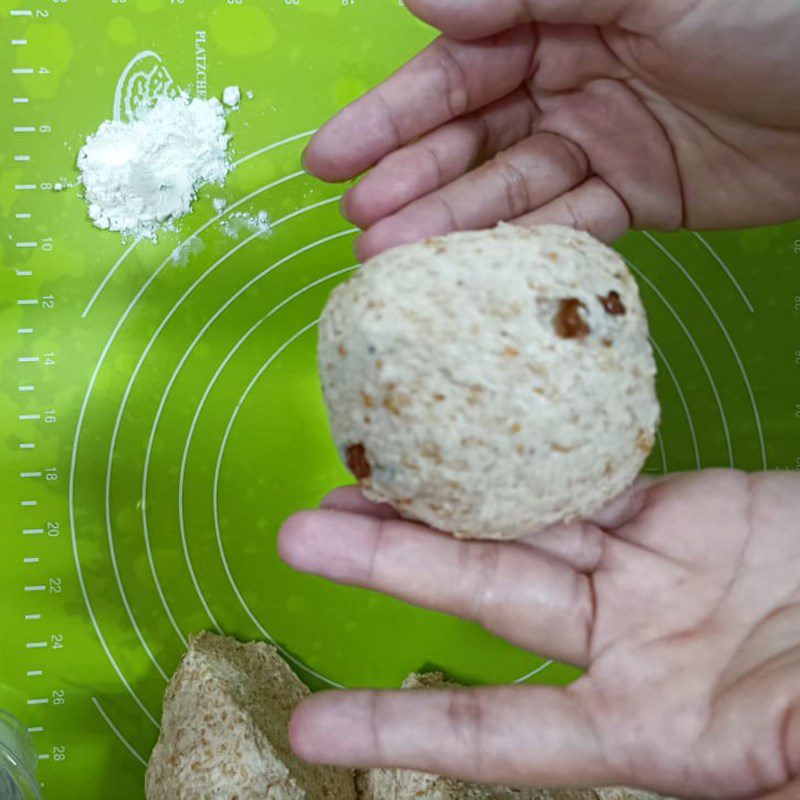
161, 417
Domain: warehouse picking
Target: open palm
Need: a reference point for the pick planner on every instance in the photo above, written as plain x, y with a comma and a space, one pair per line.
681, 600
601, 114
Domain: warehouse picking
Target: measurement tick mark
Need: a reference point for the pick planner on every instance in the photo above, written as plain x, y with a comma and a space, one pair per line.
32, 531
25, 187
29, 302
33, 616
30, 474
24, 273
24, 330
43, 756
28, 359
37, 588
21, 12
22, 216
35, 645
21, 99
29, 503
27, 388
33, 673
22, 158
35, 729
22, 71
30, 560
24, 417
19, 41
26, 445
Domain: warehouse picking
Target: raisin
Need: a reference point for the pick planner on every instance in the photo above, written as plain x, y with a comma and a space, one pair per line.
357, 461
611, 303
569, 323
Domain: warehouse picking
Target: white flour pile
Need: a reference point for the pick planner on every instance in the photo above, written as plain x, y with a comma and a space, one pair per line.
142, 175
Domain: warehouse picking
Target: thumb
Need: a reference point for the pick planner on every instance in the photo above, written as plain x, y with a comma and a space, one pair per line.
479, 18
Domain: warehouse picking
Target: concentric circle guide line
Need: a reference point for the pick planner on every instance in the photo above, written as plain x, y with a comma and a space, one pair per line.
536, 671
74, 456
718, 258
215, 498
697, 351
90, 608
116, 731
269, 147
198, 411
110, 274
118, 422
229, 208
727, 336
663, 451
157, 419
682, 398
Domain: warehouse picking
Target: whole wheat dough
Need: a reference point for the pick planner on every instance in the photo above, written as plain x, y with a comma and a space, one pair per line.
406, 784
224, 730
491, 383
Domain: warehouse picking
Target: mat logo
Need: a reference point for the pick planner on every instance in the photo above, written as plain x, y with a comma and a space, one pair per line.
142, 82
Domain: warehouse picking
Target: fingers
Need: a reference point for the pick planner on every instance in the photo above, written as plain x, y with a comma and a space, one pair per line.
593, 207
439, 158
578, 544
446, 80
522, 178
485, 17
538, 735
350, 499
523, 595
628, 504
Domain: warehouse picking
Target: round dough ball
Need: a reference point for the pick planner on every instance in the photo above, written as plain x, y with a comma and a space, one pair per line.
491, 383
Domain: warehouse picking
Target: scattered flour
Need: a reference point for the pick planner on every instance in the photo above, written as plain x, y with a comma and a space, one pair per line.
180, 255
141, 175
231, 96
239, 222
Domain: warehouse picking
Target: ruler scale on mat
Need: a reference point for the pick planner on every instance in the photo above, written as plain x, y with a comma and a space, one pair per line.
161, 416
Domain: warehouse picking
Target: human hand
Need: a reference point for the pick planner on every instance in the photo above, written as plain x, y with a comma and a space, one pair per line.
599, 114
681, 600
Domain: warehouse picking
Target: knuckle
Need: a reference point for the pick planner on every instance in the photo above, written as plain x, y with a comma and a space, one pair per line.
456, 85
450, 214
434, 163
575, 216
515, 185
465, 714
392, 121
564, 153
